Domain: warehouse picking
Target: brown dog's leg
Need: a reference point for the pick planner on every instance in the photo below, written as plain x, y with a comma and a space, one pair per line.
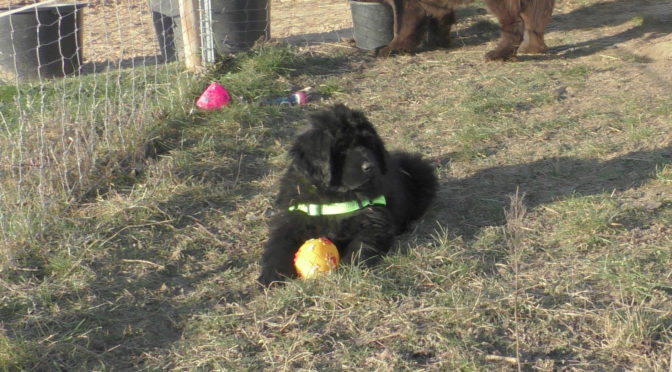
511, 28
537, 15
438, 33
408, 18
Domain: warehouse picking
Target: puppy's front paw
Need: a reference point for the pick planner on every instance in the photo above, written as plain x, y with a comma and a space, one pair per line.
269, 278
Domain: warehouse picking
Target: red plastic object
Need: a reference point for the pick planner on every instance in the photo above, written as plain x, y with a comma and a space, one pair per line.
299, 98
214, 97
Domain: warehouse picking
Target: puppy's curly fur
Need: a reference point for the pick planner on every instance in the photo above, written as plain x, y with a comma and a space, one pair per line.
339, 159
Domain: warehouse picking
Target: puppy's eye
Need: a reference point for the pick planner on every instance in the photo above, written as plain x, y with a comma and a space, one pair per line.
367, 167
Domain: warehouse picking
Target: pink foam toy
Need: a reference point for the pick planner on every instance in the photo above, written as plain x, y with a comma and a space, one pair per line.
299, 98
214, 97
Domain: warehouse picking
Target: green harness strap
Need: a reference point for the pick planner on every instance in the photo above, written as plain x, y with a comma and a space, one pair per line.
336, 208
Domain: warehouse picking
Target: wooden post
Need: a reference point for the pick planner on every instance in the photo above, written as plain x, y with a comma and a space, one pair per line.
191, 35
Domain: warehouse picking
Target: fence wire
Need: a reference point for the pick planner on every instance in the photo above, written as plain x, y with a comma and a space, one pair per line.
79, 82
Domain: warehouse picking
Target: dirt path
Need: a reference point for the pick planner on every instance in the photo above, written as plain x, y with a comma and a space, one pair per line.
642, 28
123, 30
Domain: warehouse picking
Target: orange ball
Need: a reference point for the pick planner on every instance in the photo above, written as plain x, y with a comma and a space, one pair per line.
316, 256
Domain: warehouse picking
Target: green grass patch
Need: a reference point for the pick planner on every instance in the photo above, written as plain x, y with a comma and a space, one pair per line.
136, 245
586, 223
663, 173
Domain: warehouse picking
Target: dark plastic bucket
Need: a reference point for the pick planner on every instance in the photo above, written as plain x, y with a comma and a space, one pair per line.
238, 24
166, 20
43, 40
373, 24
168, 33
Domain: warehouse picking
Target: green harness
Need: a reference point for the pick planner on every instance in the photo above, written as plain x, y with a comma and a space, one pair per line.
336, 208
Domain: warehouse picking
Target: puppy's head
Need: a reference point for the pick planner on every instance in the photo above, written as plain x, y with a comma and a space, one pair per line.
341, 151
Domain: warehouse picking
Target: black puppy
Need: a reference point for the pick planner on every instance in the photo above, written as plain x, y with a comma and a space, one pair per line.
342, 184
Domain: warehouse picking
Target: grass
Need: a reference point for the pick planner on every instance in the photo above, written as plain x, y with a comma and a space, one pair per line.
547, 248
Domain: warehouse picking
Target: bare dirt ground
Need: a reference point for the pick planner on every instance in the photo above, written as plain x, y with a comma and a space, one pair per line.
122, 29
640, 27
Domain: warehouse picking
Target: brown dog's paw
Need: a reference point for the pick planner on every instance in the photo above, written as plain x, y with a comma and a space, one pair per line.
444, 43
500, 54
384, 52
532, 48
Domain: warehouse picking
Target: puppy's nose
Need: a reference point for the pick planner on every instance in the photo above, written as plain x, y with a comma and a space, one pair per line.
367, 167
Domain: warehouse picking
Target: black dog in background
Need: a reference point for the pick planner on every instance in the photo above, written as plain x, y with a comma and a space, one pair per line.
342, 184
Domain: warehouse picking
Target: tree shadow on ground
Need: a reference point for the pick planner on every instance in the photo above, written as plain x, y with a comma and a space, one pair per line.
651, 19
467, 205
649, 22
612, 13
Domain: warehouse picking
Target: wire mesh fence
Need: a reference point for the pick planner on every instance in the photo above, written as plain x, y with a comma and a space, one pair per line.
81, 81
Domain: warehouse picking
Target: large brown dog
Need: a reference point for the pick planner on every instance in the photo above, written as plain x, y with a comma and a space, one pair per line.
522, 25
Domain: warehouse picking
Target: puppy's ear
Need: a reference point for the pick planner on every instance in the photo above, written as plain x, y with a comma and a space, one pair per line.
311, 155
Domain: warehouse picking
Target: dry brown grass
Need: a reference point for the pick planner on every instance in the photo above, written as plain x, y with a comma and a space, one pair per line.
157, 272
